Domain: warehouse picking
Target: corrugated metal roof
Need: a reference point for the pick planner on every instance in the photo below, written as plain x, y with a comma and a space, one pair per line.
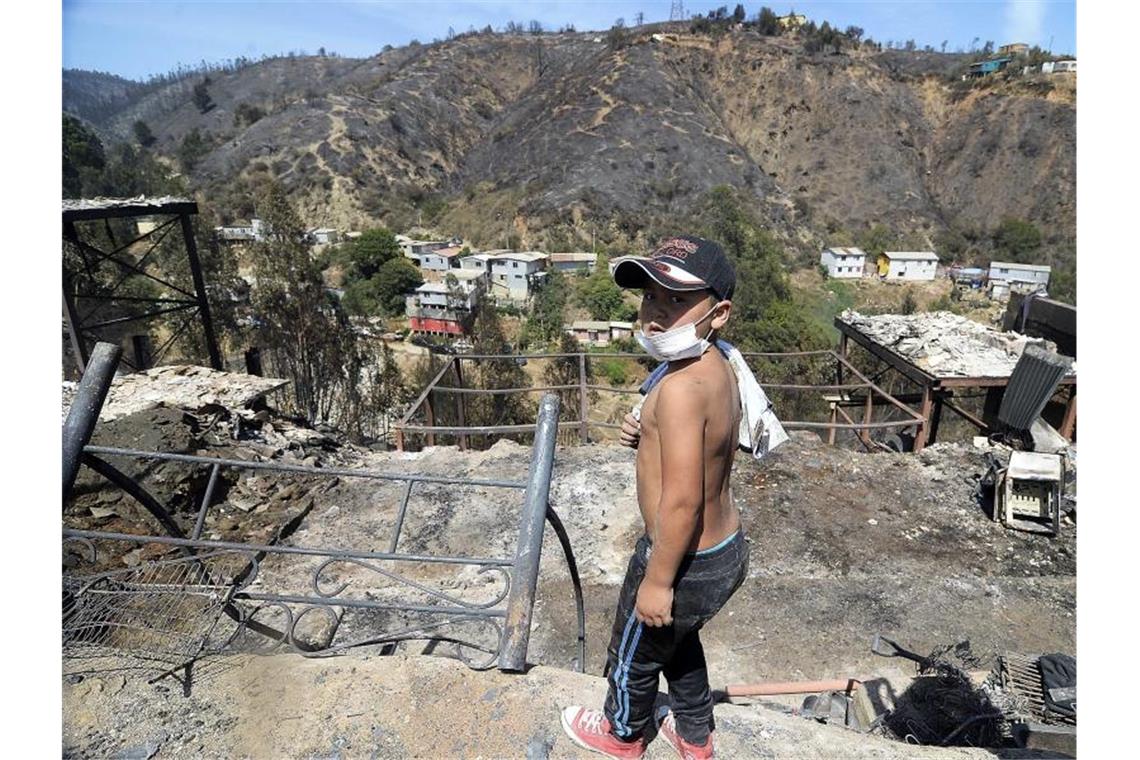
911, 255
1027, 267
569, 257
587, 324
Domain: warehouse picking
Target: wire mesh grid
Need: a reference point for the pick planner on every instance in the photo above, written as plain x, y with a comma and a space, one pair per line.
166, 611
1021, 676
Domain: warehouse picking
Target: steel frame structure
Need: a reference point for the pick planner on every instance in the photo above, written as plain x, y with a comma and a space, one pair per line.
192, 301
216, 595
938, 390
872, 395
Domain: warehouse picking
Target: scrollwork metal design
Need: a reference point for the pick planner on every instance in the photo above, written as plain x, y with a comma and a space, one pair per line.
505, 578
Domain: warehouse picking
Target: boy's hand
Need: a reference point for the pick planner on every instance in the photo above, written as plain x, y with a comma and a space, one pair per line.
630, 431
654, 605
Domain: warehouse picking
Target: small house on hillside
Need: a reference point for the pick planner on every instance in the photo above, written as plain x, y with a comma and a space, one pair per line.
1065, 67
985, 68
599, 333
239, 231
437, 262
574, 262
1013, 48
323, 235
907, 265
843, 262
413, 249
437, 308
1033, 275
512, 273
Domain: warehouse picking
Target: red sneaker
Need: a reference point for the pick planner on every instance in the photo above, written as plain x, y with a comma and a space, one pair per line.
667, 729
590, 730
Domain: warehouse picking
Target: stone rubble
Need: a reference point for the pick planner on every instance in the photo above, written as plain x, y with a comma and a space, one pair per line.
178, 386
946, 344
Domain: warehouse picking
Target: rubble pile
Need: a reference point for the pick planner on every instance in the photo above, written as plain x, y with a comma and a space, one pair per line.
180, 387
945, 344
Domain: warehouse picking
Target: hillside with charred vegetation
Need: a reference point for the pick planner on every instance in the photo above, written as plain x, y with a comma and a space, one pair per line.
545, 139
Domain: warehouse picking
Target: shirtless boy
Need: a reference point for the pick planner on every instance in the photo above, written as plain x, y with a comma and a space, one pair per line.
693, 556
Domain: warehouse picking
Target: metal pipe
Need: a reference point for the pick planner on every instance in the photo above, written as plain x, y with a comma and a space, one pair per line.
85, 408
524, 575
137, 492
201, 521
400, 516
772, 688
242, 464
583, 401
279, 549
200, 292
579, 603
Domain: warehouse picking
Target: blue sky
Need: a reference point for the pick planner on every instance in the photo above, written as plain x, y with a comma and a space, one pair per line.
135, 39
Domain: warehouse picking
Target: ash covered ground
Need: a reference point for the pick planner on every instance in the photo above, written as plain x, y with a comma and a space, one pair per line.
844, 545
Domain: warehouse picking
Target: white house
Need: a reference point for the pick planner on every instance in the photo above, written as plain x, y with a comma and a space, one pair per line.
1062, 67
574, 262
512, 272
436, 262
238, 232
413, 249
1028, 274
843, 262
441, 308
323, 235
908, 265
599, 333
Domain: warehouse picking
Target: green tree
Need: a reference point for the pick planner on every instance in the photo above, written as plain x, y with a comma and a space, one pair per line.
83, 157
877, 239
546, 310
360, 299
392, 282
143, 134
1016, 240
909, 305
738, 14
601, 296
764, 316
565, 371
372, 250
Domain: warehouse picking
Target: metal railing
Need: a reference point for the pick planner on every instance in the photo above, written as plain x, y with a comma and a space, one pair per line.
217, 596
862, 392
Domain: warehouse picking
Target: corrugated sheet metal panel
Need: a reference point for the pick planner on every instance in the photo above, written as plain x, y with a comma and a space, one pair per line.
1031, 384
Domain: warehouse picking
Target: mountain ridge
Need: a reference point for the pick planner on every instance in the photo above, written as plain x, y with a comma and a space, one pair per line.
545, 137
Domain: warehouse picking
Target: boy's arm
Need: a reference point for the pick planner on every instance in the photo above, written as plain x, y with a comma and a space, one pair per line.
680, 428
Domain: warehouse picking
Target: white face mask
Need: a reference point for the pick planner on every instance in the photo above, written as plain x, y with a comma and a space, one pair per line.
676, 344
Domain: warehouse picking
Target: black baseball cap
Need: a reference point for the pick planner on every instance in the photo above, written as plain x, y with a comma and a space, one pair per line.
679, 263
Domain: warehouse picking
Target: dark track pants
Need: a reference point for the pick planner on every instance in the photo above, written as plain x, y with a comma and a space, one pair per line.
639, 653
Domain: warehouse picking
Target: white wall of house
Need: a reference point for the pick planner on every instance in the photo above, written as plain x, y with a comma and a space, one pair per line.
911, 269
843, 262
1012, 272
511, 276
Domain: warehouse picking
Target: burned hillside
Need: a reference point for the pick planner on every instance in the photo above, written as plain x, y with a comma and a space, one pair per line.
627, 133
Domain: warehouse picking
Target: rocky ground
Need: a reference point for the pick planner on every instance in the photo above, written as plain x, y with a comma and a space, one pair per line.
844, 545
402, 707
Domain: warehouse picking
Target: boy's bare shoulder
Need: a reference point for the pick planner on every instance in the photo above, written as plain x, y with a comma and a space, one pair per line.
685, 390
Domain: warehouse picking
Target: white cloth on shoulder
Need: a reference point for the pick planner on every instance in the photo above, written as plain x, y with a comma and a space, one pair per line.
760, 430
